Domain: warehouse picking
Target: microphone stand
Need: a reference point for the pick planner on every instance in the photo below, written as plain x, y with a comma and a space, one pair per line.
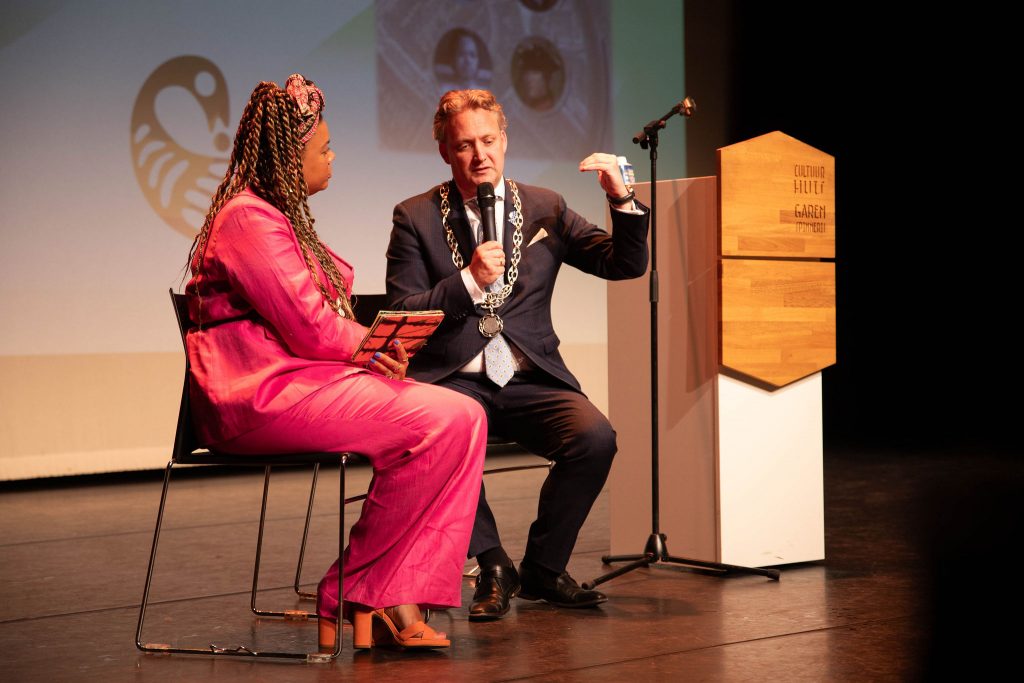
656, 548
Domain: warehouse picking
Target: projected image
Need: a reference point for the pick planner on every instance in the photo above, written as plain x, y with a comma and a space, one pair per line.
538, 74
538, 5
461, 61
547, 62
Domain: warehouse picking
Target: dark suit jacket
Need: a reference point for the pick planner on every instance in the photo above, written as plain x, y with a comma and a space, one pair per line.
421, 274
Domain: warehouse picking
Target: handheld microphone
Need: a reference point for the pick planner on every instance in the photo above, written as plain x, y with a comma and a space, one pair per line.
485, 200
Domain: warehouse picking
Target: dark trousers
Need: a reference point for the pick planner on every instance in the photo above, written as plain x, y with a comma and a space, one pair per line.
553, 421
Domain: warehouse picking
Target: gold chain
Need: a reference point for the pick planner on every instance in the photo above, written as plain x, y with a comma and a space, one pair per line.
491, 299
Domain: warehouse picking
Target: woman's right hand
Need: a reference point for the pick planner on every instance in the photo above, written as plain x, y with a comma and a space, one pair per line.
391, 367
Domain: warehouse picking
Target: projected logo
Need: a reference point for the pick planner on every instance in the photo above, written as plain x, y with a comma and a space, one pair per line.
179, 139
547, 62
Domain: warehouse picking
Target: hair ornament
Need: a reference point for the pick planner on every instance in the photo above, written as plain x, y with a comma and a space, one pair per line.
310, 100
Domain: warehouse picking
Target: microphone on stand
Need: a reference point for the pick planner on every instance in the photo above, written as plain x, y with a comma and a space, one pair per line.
485, 200
686, 108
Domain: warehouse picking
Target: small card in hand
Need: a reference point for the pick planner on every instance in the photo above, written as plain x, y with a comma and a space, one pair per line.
413, 328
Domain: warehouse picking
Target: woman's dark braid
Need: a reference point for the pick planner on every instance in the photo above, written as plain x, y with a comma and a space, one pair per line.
267, 156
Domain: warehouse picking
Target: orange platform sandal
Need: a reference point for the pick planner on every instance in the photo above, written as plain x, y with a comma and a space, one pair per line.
376, 627
328, 626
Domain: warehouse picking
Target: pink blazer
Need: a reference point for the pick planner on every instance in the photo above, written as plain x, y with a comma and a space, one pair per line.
268, 338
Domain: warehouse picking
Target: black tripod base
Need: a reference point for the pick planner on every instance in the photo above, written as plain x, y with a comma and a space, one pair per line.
656, 552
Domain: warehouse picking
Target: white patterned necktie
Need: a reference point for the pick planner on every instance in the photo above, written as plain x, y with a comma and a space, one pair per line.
499, 364
498, 360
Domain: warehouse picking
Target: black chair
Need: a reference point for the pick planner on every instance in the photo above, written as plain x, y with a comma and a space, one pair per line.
187, 451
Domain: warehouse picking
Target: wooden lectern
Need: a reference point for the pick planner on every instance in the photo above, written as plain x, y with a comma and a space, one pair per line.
746, 324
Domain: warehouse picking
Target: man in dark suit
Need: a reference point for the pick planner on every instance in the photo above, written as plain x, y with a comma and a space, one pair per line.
497, 342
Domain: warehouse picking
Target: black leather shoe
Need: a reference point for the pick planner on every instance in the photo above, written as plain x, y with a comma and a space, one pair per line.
495, 588
561, 591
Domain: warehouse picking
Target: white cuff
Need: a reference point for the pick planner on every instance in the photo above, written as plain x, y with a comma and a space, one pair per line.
472, 287
631, 208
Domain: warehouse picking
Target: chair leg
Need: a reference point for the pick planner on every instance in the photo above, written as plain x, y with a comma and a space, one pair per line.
297, 614
153, 647
259, 543
474, 571
516, 468
305, 537
328, 656
215, 650
341, 554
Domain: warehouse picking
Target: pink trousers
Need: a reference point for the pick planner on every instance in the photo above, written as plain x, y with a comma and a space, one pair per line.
426, 445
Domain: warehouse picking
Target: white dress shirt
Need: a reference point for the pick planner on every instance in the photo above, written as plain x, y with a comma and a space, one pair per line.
520, 361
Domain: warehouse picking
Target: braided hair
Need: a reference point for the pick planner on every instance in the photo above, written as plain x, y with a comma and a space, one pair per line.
267, 158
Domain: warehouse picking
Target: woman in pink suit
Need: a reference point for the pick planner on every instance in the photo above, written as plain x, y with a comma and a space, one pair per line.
271, 372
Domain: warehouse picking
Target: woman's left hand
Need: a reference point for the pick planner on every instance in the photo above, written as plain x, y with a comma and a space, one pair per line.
391, 367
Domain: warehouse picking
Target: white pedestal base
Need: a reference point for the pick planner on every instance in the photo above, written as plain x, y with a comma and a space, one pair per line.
740, 467
771, 500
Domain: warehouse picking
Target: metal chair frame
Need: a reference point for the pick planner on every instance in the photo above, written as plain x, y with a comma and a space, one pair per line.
186, 451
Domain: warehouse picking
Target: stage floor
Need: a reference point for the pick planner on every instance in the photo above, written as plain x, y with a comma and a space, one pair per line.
73, 556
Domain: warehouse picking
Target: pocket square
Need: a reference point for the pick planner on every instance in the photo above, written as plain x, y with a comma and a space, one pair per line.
541, 234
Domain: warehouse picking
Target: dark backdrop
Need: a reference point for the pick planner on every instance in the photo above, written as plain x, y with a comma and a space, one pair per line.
926, 284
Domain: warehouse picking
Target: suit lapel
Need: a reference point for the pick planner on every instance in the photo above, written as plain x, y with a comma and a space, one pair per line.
529, 229
460, 224
510, 207
508, 228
